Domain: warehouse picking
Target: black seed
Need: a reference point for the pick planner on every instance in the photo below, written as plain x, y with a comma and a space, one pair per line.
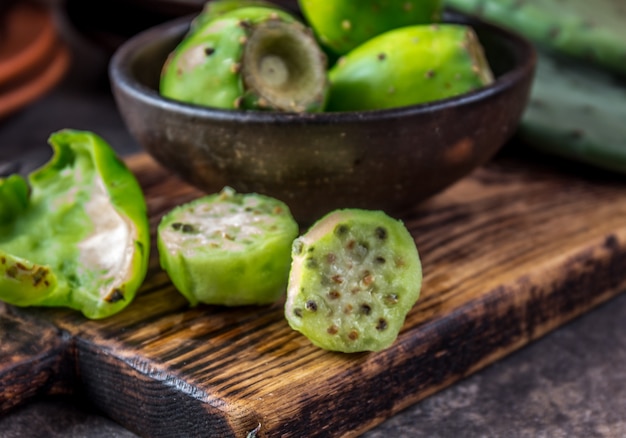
338, 279
115, 296
39, 275
185, 228
382, 324
245, 24
311, 306
341, 230
209, 51
381, 233
391, 299
380, 260
366, 309
311, 263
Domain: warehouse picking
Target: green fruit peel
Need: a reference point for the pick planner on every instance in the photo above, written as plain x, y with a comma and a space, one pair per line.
228, 248
408, 66
249, 58
216, 8
355, 275
341, 25
75, 233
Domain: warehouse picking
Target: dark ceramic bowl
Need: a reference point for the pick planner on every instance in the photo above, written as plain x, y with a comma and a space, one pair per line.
388, 159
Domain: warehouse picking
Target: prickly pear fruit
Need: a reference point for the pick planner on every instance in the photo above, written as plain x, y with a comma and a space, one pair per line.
407, 66
249, 58
214, 8
341, 25
577, 112
355, 275
228, 248
588, 30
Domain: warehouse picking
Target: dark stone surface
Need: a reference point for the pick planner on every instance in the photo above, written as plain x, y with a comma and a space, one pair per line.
571, 383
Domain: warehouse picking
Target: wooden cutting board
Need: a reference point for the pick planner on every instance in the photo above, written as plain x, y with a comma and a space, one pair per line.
509, 253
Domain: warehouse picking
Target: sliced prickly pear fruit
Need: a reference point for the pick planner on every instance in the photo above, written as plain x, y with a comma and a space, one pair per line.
577, 112
407, 66
228, 248
341, 25
589, 30
249, 58
354, 277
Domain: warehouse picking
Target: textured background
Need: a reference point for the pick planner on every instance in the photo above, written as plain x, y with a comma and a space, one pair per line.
571, 383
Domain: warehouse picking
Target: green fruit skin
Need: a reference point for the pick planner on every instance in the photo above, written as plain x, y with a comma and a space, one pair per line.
205, 68
216, 8
588, 30
408, 66
317, 260
341, 25
49, 249
252, 274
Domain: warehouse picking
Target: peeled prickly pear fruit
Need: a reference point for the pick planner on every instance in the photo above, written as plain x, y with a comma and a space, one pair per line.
407, 66
341, 25
591, 30
228, 248
249, 58
355, 275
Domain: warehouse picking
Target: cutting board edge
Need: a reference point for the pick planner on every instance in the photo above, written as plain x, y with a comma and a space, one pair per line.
572, 295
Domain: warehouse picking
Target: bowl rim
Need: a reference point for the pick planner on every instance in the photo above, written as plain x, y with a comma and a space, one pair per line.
121, 77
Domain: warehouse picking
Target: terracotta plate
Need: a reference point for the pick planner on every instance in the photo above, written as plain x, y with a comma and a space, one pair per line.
32, 58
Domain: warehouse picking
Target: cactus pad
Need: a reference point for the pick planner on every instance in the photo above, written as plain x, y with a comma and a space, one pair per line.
578, 112
593, 30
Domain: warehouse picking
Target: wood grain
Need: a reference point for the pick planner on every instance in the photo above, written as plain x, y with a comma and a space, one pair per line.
509, 253
35, 359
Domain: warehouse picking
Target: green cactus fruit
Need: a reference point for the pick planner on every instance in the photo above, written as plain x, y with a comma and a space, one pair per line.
228, 248
341, 25
355, 275
407, 66
215, 8
577, 112
591, 30
256, 58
